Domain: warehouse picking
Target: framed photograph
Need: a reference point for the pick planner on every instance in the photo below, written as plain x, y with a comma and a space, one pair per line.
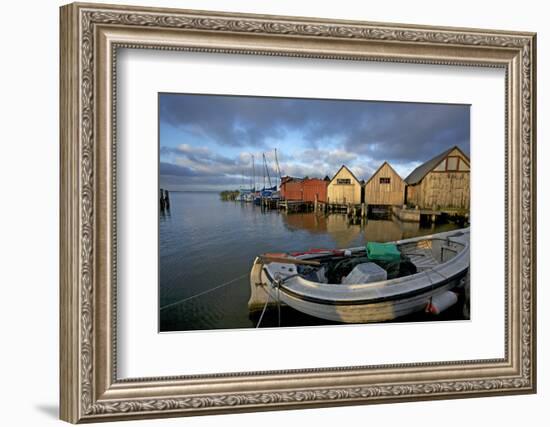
266, 212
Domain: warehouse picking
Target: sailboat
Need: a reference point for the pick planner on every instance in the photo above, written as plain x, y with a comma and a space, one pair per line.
249, 197
270, 192
247, 194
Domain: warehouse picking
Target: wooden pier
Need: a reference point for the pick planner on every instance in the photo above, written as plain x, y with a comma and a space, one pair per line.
296, 206
352, 210
269, 203
428, 215
363, 210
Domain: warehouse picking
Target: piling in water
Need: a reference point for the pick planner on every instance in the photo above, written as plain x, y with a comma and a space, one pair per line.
166, 199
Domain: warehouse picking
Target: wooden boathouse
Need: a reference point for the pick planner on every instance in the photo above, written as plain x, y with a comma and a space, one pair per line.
385, 187
344, 188
441, 183
315, 189
302, 194
291, 188
304, 189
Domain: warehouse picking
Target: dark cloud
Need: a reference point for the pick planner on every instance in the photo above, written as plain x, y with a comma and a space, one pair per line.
360, 134
175, 170
393, 131
175, 182
412, 132
228, 120
173, 176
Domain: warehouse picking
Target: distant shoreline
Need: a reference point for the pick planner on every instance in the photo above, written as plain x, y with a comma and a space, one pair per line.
198, 191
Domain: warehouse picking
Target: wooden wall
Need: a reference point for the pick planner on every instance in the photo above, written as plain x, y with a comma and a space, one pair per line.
315, 188
443, 189
377, 193
307, 189
412, 195
344, 193
291, 189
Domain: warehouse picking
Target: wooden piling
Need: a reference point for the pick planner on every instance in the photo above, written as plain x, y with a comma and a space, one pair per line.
161, 200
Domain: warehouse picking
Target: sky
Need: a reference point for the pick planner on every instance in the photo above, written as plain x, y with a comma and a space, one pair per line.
209, 142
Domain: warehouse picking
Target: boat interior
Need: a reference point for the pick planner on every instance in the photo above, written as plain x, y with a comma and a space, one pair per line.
344, 267
426, 254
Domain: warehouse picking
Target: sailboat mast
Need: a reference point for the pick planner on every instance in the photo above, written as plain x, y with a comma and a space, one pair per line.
267, 171
278, 168
264, 168
253, 174
250, 180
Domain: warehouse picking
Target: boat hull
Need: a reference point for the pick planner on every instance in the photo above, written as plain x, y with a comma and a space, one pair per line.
361, 312
373, 305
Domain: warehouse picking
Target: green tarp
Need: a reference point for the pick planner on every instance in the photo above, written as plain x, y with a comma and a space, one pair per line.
383, 251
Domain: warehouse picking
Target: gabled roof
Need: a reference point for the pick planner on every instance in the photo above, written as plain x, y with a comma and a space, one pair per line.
378, 170
348, 169
421, 171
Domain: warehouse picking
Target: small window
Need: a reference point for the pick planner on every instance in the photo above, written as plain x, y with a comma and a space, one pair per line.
343, 181
385, 180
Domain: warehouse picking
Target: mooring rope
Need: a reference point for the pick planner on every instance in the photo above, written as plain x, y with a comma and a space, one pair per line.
279, 303
204, 292
263, 311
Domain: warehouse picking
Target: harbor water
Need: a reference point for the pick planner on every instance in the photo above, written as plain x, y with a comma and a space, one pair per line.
207, 247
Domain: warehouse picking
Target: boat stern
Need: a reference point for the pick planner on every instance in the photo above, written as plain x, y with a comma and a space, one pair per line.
258, 295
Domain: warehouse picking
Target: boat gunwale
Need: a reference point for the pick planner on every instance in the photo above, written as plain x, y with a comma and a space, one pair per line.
384, 283
436, 236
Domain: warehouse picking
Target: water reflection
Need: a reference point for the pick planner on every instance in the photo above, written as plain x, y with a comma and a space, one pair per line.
347, 231
164, 214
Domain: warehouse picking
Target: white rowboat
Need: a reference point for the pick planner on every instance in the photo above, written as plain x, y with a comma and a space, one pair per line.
441, 260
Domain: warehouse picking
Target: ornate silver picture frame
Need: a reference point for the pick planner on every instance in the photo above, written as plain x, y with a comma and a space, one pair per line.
91, 34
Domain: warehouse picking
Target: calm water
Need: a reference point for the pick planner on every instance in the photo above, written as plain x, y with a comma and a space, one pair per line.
206, 242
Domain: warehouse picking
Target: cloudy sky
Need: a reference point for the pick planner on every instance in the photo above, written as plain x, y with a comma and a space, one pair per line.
207, 142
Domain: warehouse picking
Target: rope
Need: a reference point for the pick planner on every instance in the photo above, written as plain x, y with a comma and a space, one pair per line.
263, 311
441, 274
279, 302
205, 292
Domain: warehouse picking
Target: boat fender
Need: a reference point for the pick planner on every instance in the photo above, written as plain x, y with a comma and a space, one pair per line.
442, 302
